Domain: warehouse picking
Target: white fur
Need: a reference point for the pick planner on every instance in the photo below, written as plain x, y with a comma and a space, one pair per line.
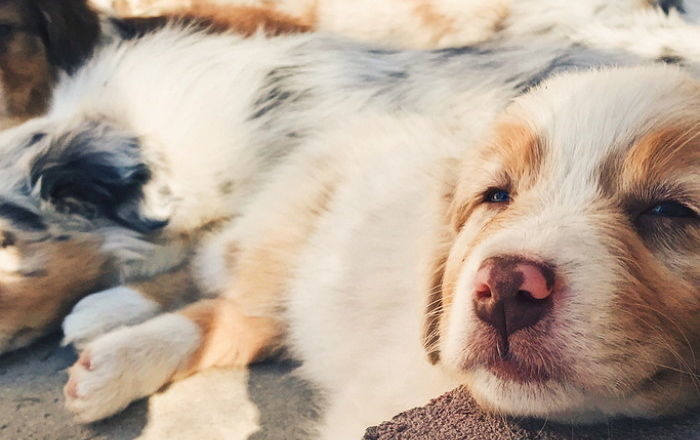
638, 26
282, 118
104, 311
355, 303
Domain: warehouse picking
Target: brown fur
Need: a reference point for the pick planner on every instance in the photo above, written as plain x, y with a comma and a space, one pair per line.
243, 326
35, 301
26, 73
665, 153
169, 288
34, 46
662, 165
260, 270
229, 337
519, 153
431, 325
246, 20
437, 23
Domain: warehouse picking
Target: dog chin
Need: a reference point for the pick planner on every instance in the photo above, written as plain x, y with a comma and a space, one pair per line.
546, 399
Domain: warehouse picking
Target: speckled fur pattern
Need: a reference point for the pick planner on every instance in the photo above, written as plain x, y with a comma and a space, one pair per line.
319, 193
656, 29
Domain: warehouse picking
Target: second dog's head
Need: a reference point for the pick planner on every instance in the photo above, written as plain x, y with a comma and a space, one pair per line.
570, 285
71, 211
39, 39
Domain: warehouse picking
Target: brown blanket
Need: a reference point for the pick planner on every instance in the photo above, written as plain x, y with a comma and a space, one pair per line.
455, 416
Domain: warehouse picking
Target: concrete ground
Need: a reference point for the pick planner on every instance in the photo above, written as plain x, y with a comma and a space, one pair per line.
266, 402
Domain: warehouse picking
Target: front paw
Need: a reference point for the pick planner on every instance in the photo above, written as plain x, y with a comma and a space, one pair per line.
128, 364
96, 388
104, 311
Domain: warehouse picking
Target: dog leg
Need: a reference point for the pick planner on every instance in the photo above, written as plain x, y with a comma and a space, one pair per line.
133, 362
130, 304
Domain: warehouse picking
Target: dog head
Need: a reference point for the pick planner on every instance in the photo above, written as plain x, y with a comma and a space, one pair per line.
68, 195
569, 286
38, 39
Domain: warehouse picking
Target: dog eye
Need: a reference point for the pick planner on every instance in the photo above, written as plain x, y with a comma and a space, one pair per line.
671, 208
497, 196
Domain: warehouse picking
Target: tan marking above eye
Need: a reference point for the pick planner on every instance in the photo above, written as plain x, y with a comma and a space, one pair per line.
661, 166
669, 154
515, 150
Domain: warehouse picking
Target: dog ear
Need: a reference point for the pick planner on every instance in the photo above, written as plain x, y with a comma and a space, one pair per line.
95, 171
434, 308
70, 30
441, 243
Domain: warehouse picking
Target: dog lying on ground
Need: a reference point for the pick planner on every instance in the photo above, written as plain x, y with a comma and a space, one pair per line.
391, 218
42, 39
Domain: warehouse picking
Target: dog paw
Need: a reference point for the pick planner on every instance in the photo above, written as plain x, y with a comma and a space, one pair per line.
104, 311
96, 387
127, 364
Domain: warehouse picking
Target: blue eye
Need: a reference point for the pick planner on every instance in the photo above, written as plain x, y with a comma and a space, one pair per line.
671, 209
497, 196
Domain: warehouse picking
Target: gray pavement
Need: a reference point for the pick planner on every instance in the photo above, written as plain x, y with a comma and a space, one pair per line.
266, 402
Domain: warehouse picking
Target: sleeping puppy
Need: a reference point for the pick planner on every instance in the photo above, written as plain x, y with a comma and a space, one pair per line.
389, 217
666, 29
43, 39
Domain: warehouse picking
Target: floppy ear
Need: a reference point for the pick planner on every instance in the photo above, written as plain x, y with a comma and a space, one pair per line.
94, 172
433, 309
70, 30
441, 244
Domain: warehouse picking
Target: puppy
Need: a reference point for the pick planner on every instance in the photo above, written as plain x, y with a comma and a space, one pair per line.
389, 217
43, 39
655, 29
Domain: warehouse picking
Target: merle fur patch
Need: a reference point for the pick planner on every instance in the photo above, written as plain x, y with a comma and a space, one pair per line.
20, 217
276, 91
667, 5
95, 171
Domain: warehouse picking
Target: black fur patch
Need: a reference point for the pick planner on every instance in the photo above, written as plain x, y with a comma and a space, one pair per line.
132, 28
460, 51
558, 64
137, 27
36, 137
670, 59
21, 218
69, 29
95, 173
276, 91
382, 52
667, 5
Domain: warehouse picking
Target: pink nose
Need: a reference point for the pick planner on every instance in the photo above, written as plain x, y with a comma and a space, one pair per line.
512, 293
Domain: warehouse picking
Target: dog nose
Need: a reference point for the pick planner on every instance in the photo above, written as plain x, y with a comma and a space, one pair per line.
512, 293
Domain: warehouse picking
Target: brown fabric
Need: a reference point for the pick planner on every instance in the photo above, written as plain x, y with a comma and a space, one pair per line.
455, 416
